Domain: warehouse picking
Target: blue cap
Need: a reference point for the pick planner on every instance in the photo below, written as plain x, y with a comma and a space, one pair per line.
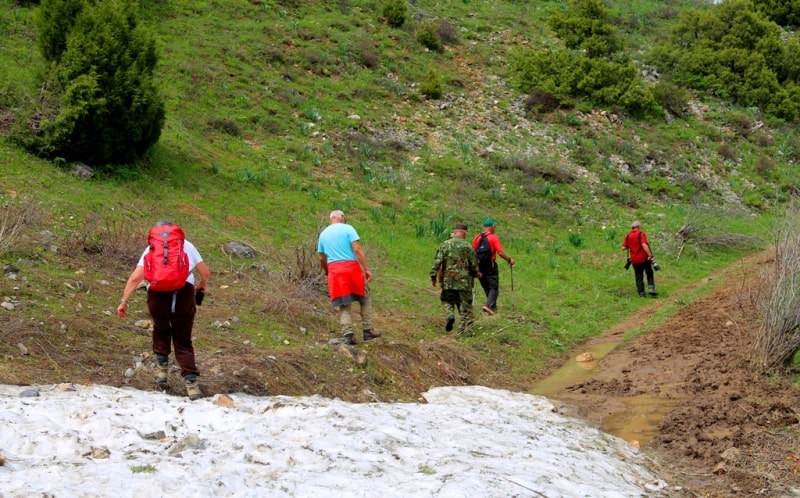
488, 222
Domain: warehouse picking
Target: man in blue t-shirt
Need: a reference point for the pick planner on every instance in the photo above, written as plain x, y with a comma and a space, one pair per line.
343, 261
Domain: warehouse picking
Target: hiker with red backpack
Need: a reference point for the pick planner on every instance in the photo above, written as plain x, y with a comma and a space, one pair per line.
168, 264
487, 247
641, 257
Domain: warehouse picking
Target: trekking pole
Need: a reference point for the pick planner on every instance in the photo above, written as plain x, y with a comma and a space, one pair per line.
511, 267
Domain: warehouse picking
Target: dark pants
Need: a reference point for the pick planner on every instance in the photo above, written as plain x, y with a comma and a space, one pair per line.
639, 271
173, 318
490, 281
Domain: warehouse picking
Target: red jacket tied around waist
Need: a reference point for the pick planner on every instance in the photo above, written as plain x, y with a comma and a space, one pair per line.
345, 282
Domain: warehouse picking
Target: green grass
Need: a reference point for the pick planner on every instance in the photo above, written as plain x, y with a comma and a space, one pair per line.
273, 120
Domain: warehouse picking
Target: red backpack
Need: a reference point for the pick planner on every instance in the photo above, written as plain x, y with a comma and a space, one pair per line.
166, 264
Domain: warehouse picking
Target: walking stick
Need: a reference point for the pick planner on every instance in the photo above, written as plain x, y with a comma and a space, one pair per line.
511, 267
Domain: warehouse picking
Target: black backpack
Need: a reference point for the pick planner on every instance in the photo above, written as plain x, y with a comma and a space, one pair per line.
484, 254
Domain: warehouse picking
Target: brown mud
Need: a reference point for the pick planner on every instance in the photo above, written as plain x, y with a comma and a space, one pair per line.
687, 391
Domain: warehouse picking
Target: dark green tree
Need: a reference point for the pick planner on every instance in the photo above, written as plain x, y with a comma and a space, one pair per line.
54, 21
593, 68
585, 26
782, 12
735, 52
101, 105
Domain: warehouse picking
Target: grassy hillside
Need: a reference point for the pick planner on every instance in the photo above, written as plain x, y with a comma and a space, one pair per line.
279, 112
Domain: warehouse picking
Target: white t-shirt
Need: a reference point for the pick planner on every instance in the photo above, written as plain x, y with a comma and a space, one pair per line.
191, 252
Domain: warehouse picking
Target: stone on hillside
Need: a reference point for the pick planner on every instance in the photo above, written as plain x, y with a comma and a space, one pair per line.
29, 393
225, 401
239, 249
101, 452
188, 442
82, 171
154, 436
7, 306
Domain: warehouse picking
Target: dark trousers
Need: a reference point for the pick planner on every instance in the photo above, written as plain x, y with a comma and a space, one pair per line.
639, 271
173, 318
490, 281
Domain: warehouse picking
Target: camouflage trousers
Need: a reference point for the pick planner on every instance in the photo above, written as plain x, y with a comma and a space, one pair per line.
460, 300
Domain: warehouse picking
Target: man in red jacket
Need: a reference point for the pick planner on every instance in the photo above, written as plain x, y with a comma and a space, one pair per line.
641, 258
490, 275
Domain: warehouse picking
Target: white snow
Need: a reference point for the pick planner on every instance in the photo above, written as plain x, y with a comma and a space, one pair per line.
97, 441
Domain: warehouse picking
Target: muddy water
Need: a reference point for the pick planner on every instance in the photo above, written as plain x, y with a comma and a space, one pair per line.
632, 418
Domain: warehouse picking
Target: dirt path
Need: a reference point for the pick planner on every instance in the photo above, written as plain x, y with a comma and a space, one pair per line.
719, 428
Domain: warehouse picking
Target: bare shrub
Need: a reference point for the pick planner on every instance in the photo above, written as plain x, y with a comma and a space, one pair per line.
15, 215
541, 102
367, 53
741, 125
705, 229
725, 151
112, 237
533, 167
778, 338
227, 126
448, 32
764, 167
764, 140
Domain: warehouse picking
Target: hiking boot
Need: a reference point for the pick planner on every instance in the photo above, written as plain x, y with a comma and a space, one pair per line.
652, 290
450, 321
161, 373
193, 390
348, 339
370, 334
489, 311
642, 294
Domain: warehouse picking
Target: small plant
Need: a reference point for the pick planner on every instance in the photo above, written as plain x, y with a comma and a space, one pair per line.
366, 149
395, 11
247, 175
572, 120
391, 214
431, 86
143, 469
312, 114
428, 36
576, 239
465, 146
428, 471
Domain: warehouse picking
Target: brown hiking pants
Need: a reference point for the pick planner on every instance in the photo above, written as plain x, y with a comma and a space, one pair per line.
173, 318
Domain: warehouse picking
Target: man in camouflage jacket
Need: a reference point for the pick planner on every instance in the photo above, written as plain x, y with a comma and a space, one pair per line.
455, 267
